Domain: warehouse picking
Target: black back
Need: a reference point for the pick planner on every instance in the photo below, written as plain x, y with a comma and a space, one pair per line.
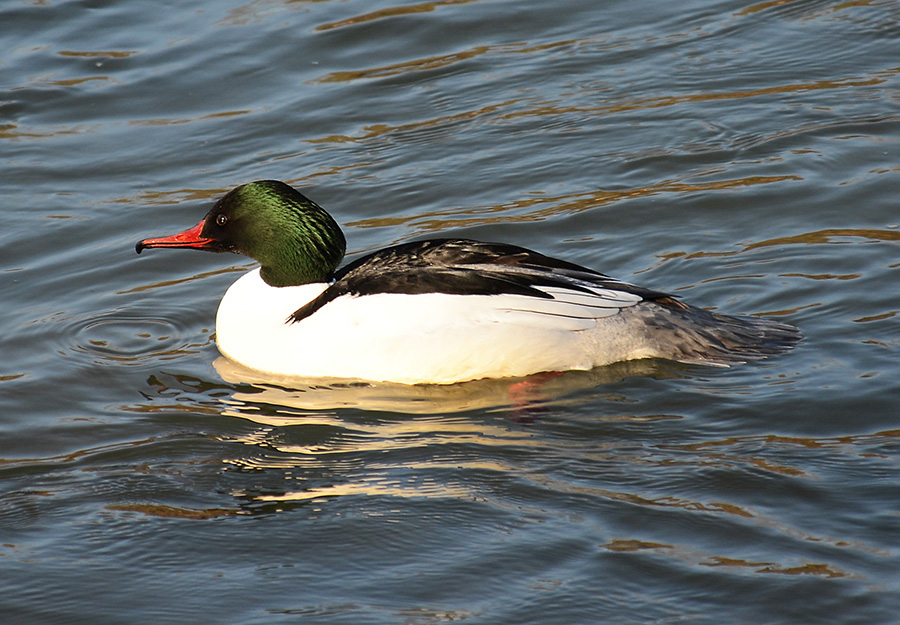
464, 267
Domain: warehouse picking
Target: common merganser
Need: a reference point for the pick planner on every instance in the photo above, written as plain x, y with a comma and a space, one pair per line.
438, 311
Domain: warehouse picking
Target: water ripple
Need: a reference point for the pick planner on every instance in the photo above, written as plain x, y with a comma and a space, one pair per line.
125, 337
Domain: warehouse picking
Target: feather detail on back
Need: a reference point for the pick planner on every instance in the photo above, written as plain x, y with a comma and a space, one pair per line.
464, 267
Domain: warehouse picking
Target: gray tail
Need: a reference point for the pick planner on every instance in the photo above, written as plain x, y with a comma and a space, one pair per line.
693, 335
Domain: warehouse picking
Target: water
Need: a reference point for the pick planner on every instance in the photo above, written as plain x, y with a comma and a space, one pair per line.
742, 155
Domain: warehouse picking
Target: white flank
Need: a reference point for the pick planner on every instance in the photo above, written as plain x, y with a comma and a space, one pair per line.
427, 338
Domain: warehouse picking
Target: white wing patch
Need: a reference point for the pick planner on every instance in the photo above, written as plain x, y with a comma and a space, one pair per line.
568, 310
597, 298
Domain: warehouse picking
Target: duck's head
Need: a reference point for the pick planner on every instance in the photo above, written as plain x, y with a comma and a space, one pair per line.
294, 240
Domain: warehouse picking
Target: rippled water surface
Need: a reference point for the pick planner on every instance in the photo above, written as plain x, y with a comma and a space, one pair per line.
741, 155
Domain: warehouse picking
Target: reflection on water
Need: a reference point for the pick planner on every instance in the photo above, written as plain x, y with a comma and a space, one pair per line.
310, 440
544, 206
283, 394
443, 427
422, 7
314, 444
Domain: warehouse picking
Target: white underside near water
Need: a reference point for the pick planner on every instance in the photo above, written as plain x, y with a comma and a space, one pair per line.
430, 338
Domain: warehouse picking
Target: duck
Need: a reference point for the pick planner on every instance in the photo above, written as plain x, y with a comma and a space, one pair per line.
437, 311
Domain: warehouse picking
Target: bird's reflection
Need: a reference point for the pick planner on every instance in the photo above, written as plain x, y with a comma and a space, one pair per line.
517, 396
299, 441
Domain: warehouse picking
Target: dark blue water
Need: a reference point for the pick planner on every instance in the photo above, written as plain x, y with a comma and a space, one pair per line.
743, 156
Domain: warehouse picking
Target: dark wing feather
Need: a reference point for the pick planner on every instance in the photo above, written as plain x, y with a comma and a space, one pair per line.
465, 267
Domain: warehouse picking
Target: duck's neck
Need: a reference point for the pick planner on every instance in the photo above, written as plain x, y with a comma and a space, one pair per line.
312, 248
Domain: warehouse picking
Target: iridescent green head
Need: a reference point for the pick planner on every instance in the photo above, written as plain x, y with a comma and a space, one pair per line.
293, 238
